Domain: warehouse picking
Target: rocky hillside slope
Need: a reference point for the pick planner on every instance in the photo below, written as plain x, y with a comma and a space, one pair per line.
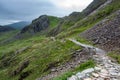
106, 33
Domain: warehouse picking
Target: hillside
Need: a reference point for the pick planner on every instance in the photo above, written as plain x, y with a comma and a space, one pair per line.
106, 33
67, 48
73, 18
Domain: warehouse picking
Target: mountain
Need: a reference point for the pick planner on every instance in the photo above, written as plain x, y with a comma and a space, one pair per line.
73, 18
53, 48
6, 28
19, 25
42, 23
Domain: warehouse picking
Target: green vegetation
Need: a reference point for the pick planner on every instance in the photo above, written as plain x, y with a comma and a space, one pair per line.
115, 55
6, 35
83, 66
75, 31
43, 53
53, 21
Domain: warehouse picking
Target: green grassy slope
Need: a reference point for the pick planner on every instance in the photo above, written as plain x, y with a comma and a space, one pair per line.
6, 35
53, 21
41, 52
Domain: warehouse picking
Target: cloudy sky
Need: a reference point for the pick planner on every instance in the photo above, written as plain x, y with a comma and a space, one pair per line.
27, 10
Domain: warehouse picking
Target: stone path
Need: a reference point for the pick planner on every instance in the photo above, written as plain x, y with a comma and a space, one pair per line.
104, 70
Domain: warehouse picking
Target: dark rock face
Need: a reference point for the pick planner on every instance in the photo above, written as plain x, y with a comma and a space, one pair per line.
106, 33
5, 28
93, 6
37, 25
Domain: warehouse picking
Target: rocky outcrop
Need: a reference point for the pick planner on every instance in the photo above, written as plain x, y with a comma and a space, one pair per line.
106, 33
37, 25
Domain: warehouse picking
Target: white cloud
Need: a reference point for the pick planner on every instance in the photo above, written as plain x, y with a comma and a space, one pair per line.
72, 5
6, 22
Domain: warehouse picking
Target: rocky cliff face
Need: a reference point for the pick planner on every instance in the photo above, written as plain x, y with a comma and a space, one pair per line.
106, 33
37, 25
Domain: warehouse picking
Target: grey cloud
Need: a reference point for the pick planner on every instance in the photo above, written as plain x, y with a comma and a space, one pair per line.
13, 10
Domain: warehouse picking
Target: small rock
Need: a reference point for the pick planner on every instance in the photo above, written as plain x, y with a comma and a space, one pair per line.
95, 75
119, 74
53, 70
73, 78
104, 71
87, 79
99, 78
113, 73
97, 68
106, 78
80, 75
88, 71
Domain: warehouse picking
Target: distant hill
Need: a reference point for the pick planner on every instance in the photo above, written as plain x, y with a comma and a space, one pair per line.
6, 28
19, 25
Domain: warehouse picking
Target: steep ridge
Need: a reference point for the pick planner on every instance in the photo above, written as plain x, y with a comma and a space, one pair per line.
93, 6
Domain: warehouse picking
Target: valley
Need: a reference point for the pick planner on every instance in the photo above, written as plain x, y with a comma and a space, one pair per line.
81, 46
